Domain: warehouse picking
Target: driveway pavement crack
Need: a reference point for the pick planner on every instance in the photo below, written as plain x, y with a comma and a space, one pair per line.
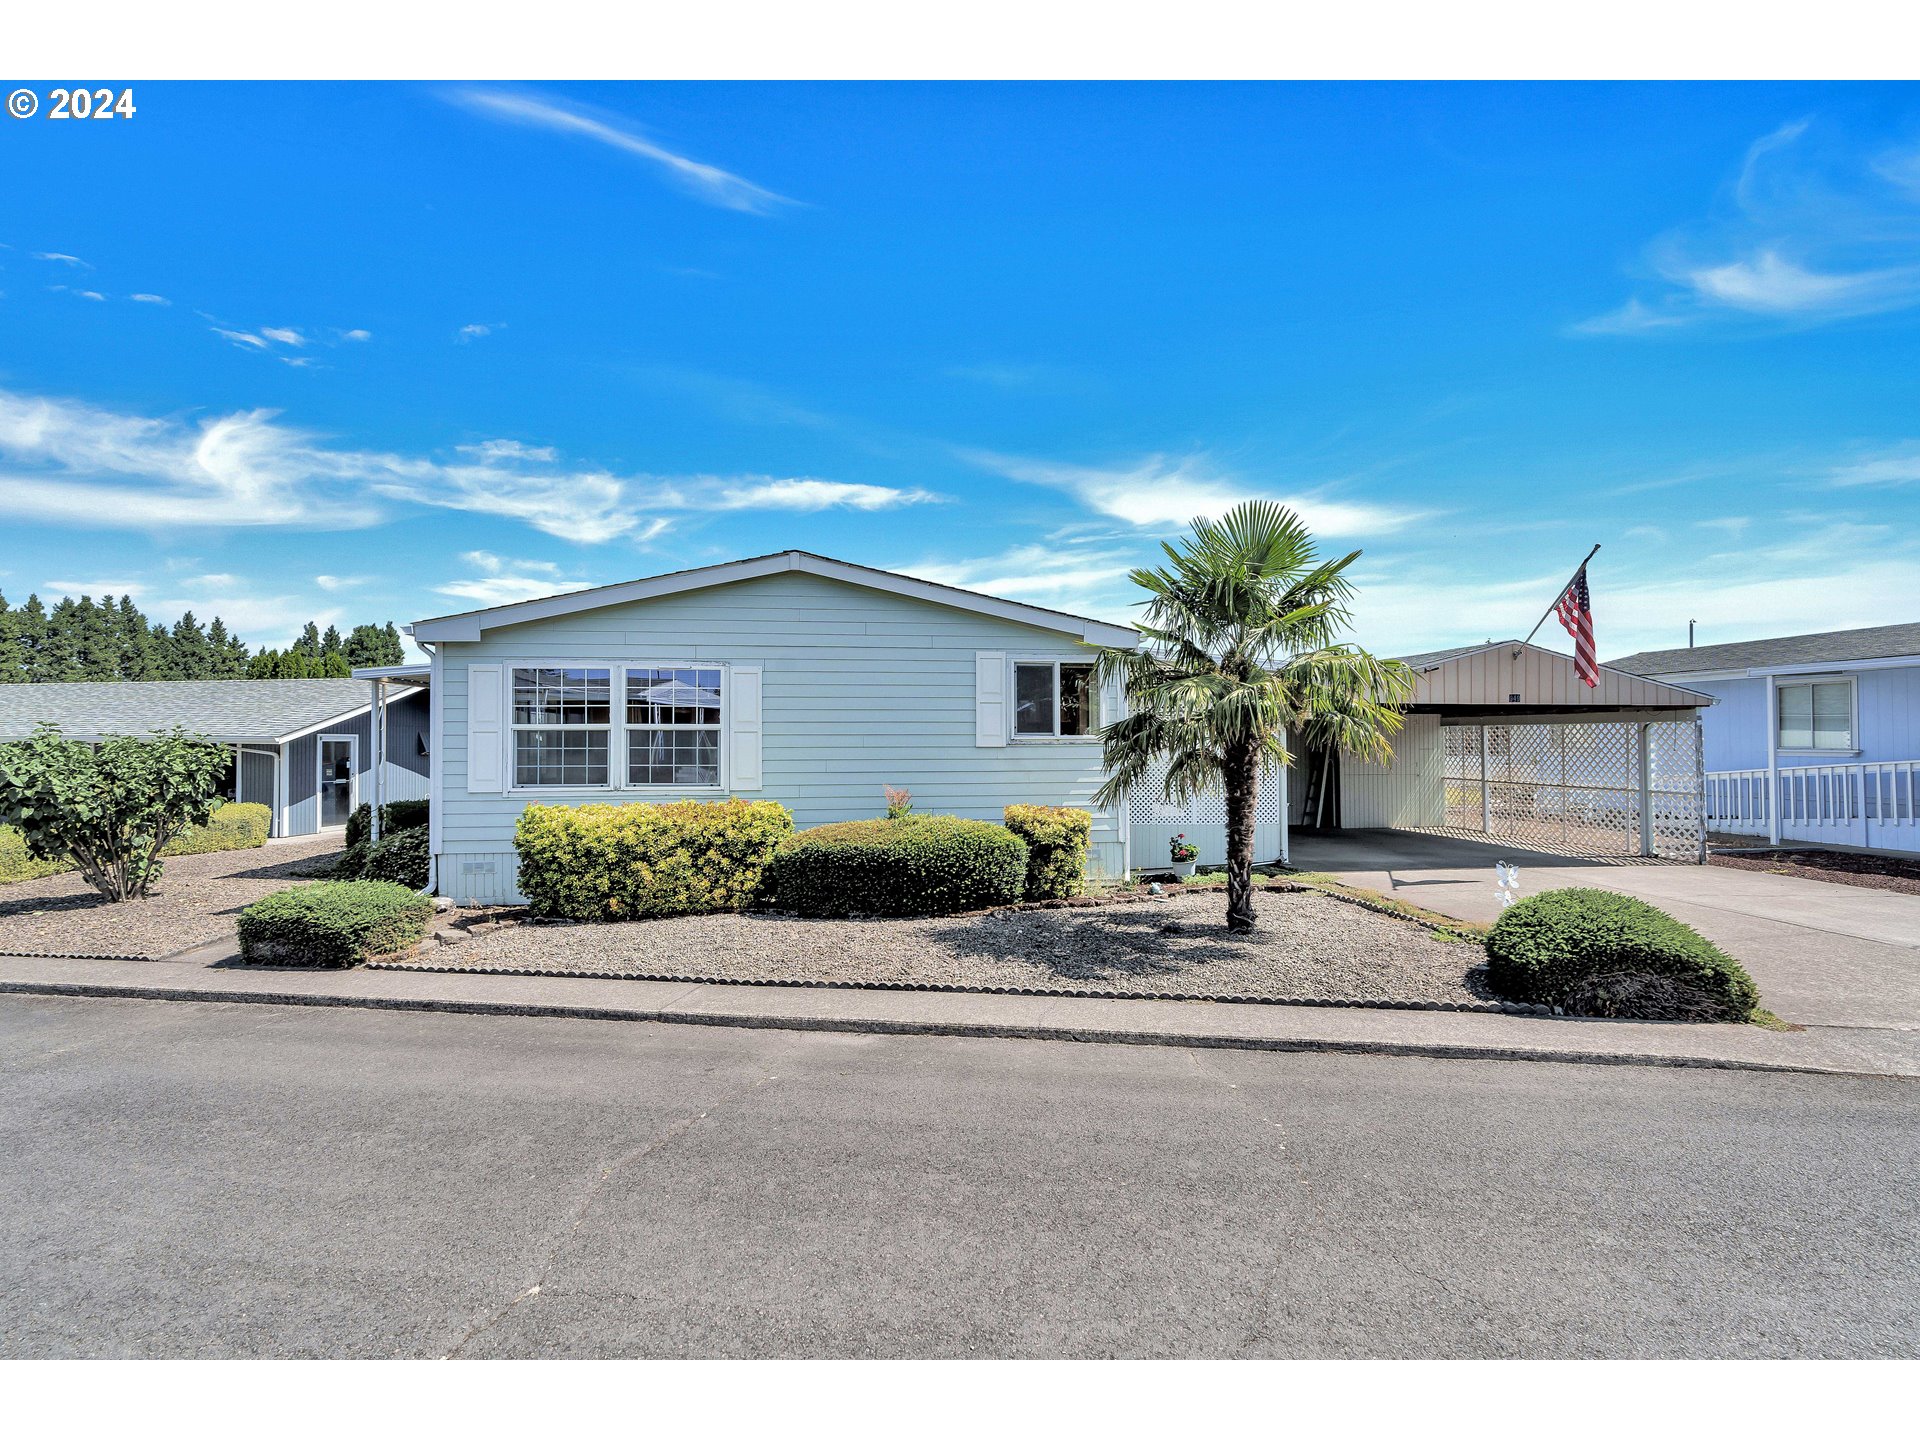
584, 1206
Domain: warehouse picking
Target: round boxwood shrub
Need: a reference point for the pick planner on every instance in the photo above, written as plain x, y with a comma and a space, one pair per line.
1057, 839
1595, 952
922, 865
400, 858
333, 924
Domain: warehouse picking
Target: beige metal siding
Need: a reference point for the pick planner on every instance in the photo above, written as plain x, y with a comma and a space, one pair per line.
1407, 792
1538, 677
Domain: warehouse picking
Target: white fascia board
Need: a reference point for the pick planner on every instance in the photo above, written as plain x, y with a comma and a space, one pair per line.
1837, 667
471, 625
391, 672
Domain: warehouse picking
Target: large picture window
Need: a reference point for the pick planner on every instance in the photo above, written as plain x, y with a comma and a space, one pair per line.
1055, 698
1817, 716
673, 727
562, 722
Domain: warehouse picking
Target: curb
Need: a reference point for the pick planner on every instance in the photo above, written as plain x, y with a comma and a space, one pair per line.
1316, 1002
962, 1029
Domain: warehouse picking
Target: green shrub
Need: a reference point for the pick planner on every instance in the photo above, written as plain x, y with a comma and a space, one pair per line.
352, 864
395, 815
929, 865
231, 827
112, 806
1551, 945
333, 924
401, 858
639, 861
1057, 838
17, 864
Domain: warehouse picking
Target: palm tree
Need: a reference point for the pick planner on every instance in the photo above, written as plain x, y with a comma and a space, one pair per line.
1241, 653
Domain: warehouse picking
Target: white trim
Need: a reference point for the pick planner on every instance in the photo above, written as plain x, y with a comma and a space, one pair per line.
1015, 736
436, 767
470, 625
1807, 667
617, 728
319, 774
282, 762
341, 719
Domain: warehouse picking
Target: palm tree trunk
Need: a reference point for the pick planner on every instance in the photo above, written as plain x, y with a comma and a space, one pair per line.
1243, 784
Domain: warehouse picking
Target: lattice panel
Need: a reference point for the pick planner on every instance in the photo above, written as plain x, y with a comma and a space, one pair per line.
1145, 805
1575, 788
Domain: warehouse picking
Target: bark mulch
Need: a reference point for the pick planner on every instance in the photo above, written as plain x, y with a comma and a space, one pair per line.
1840, 867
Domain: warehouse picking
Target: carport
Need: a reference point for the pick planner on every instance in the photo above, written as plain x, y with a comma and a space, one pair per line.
1504, 742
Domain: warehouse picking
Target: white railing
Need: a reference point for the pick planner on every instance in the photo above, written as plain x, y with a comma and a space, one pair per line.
1872, 803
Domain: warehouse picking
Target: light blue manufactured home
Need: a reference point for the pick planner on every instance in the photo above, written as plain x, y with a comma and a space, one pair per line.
1814, 737
789, 677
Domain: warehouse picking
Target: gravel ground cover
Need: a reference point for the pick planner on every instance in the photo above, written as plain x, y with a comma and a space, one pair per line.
1839, 867
1307, 946
196, 901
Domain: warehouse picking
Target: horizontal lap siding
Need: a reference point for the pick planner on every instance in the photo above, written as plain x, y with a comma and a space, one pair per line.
860, 690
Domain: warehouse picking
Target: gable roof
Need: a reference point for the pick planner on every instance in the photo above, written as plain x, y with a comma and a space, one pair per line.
471, 624
1517, 677
1875, 642
261, 712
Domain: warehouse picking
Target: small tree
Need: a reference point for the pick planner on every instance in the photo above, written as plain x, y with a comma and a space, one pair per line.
1242, 647
110, 807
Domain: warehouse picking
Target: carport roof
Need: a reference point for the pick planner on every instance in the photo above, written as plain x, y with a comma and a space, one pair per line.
1511, 677
262, 712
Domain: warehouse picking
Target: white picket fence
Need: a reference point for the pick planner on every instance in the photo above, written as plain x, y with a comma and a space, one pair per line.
1874, 804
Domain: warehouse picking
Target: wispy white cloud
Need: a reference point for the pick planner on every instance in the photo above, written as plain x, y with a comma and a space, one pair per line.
1165, 490
54, 255
143, 298
502, 581
246, 340
282, 335
334, 583
90, 295
356, 335
1805, 233
476, 331
1083, 579
111, 589
705, 182
67, 462
1898, 466
768, 493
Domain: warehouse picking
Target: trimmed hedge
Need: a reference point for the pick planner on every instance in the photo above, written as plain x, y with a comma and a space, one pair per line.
641, 862
401, 858
231, 827
1058, 837
922, 865
334, 924
395, 816
17, 864
1550, 948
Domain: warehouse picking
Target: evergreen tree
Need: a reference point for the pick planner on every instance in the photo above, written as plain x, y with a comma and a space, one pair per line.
60, 649
13, 656
374, 645
160, 662
330, 642
190, 658
30, 631
308, 643
135, 643
96, 643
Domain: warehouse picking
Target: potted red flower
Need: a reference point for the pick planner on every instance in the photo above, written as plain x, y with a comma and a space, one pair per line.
1182, 854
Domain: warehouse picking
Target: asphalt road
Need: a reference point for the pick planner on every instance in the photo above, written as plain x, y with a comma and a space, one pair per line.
214, 1180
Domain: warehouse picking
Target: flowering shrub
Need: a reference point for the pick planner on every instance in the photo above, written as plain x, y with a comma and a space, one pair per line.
1179, 851
899, 802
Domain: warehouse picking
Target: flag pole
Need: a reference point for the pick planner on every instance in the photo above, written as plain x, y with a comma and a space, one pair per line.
1556, 599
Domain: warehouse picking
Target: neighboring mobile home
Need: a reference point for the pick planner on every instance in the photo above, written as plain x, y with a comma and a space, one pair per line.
1826, 725
303, 748
788, 677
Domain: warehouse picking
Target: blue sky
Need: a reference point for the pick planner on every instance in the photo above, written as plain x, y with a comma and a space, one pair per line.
360, 352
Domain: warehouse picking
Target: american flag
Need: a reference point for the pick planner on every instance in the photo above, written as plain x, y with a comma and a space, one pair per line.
1575, 609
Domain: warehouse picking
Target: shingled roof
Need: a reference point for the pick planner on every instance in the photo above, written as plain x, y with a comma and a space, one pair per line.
261, 712
1875, 642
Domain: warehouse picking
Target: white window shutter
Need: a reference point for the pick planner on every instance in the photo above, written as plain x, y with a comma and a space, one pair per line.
989, 697
743, 726
486, 722
1112, 700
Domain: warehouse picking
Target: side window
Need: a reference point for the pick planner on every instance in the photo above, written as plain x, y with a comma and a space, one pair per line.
1817, 716
1055, 698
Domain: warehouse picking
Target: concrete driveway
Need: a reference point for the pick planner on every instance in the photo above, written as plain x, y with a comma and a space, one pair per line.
1822, 954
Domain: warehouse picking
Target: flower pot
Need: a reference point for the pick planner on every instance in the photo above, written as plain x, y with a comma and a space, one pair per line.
1182, 868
